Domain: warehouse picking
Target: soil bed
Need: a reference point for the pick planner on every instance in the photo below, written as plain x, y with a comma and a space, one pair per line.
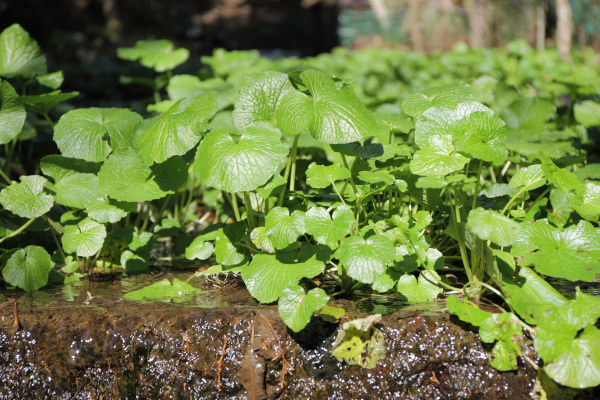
83, 341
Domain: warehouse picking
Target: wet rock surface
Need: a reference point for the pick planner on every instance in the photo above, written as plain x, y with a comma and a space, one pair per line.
94, 345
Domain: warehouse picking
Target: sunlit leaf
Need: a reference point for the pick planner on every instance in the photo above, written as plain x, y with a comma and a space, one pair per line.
297, 307
27, 199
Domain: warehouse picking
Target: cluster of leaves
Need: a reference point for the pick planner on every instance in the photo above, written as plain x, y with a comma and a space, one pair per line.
319, 196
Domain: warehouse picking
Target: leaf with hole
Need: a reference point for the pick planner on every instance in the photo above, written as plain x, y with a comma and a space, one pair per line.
360, 342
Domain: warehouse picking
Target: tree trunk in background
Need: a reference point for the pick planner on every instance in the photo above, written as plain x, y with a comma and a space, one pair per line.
414, 21
477, 22
564, 28
540, 34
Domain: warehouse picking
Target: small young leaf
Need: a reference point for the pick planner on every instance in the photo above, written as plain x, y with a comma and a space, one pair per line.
272, 188
243, 166
441, 96
20, 55
421, 291
297, 307
101, 129
163, 290
366, 259
53, 80
199, 249
27, 268
376, 177
156, 54
27, 198
12, 113
321, 176
491, 225
43, 103
438, 157
282, 228
326, 229
84, 239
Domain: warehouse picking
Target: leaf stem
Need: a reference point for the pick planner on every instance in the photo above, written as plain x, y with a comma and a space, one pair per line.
288, 166
21, 229
6, 178
518, 194
476, 193
236, 209
58, 245
461, 243
348, 168
249, 211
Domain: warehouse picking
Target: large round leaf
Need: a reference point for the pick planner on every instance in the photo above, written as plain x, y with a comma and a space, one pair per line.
243, 166
327, 229
85, 239
125, 176
92, 133
491, 225
268, 275
75, 181
297, 307
366, 259
27, 198
20, 55
177, 132
257, 98
27, 268
12, 113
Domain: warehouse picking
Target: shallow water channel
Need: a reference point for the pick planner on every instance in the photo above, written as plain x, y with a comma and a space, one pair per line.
83, 341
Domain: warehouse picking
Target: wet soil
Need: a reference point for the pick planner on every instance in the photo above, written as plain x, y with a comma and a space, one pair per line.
83, 341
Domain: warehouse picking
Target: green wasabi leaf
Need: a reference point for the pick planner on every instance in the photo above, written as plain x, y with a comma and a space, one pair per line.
12, 113
227, 249
587, 113
588, 203
356, 149
243, 166
199, 249
101, 129
571, 253
366, 259
84, 239
176, 132
376, 177
163, 290
257, 98
268, 275
272, 188
75, 180
528, 176
20, 55
527, 115
441, 96
125, 176
27, 268
261, 240
418, 291
332, 314
438, 157
27, 198
561, 178
104, 210
466, 310
43, 103
491, 225
321, 176
333, 113
359, 342
506, 329
133, 262
297, 307
53, 80
156, 54
329, 229
282, 228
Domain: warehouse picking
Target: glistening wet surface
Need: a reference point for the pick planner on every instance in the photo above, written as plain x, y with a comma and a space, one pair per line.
82, 341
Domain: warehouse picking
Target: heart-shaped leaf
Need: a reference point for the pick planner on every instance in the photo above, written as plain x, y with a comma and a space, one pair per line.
163, 290
125, 176
257, 98
156, 54
199, 249
418, 291
75, 181
491, 225
438, 157
43, 103
243, 166
267, 275
366, 259
329, 229
176, 132
282, 228
333, 112
321, 176
27, 198
20, 55
441, 96
297, 307
101, 129
12, 113
27, 268
571, 253
85, 238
